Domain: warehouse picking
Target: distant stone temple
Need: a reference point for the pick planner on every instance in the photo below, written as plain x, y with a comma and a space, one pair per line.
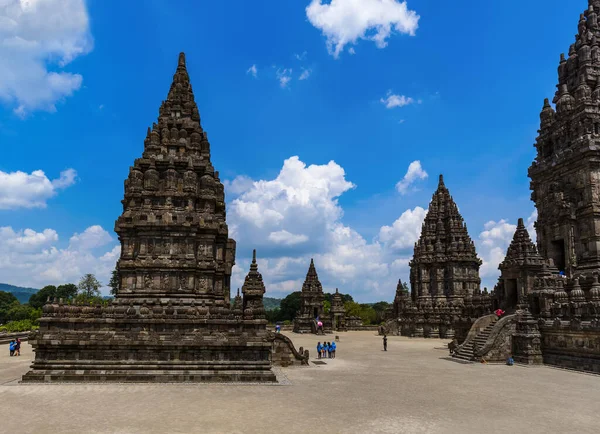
311, 307
551, 291
338, 312
171, 320
444, 277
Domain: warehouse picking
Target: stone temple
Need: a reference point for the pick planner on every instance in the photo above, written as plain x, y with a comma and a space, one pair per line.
311, 307
551, 291
171, 319
444, 277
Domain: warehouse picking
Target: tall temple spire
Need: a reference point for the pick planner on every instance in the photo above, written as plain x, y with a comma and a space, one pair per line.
521, 249
443, 251
566, 146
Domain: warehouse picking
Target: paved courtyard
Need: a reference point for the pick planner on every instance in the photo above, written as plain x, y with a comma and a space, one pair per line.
411, 388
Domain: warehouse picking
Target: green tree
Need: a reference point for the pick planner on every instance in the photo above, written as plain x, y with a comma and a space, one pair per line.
7, 301
114, 281
380, 308
290, 305
67, 291
38, 299
326, 306
89, 286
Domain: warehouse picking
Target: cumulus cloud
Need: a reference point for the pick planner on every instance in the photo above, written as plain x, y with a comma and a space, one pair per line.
344, 22
287, 238
392, 101
92, 237
296, 217
37, 40
414, 173
252, 71
23, 190
34, 259
405, 231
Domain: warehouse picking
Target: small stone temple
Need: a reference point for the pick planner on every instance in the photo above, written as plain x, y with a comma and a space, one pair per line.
171, 320
311, 308
551, 292
338, 312
444, 277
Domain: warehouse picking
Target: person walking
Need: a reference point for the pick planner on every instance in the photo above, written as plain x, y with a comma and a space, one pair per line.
319, 350
12, 347
329, 350
384, 343
333, 348
18, 347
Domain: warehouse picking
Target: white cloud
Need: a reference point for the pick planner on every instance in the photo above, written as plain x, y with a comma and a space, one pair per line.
295, 217
392, 101
405, 231
344, 22
28, 239
301, 57
30, 258
305, 74
352, 51
37, 36
239, 185
414, 173
22, 190
284, 76
287, 238
92, 237
252, 71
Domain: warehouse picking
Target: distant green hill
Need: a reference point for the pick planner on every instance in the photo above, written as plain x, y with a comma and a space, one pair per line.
21, 293
271, 303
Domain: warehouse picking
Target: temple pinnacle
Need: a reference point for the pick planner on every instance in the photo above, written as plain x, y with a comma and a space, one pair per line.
441, 181
182, 59
520, 224
254, 256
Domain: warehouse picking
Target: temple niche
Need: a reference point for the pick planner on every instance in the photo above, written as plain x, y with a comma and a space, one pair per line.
171, 320
444, 277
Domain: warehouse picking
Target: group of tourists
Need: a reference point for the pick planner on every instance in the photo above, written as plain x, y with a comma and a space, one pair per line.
15, 347
326, 350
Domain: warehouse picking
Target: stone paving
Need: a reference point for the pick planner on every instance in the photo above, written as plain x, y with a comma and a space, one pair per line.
411, 388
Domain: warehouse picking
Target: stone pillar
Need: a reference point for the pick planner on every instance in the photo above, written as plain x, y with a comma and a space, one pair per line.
527, 340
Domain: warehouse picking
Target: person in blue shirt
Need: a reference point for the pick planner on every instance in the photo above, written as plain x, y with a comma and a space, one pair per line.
333, 348
12, 347
319, 349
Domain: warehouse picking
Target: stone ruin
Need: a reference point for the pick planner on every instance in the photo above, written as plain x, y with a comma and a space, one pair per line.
171, 320
446, 297
553, 288
312, 307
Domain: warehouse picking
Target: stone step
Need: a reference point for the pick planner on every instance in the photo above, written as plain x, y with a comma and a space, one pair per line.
468, 358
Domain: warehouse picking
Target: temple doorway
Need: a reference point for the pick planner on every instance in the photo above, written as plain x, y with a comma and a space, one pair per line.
558, 254
316, 312
511, 294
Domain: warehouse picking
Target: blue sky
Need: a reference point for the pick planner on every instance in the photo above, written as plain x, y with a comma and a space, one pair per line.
461, 96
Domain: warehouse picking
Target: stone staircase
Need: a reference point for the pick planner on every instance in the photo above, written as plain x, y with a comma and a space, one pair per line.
467, 350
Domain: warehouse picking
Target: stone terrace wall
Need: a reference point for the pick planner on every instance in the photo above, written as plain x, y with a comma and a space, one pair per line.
572, 344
